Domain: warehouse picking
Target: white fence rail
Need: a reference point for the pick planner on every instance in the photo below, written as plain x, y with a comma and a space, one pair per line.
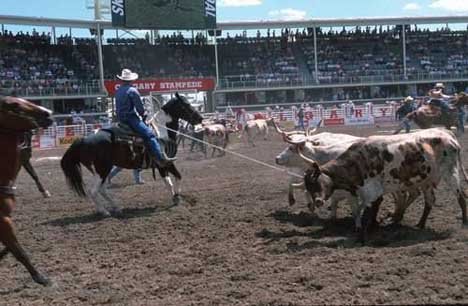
60, 136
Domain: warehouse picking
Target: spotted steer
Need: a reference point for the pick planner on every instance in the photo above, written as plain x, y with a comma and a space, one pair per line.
218, 135
322, 148
379, 165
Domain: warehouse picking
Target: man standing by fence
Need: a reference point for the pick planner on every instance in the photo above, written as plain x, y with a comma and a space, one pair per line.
300, 118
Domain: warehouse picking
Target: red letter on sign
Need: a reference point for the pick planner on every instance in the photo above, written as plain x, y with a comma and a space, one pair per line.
384, 111
358, 113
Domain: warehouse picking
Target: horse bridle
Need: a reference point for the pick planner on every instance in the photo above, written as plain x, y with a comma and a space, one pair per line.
190, 116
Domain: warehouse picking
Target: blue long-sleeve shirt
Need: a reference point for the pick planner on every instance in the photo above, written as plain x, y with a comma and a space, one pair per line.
128, 102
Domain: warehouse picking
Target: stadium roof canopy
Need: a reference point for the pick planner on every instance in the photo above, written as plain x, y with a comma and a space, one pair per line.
248, 25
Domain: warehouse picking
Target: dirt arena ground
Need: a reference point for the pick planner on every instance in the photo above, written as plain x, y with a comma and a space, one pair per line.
238, 244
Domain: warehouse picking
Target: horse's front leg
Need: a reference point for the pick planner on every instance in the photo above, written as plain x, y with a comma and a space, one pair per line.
29, 168
3, 253
172, 189
8, 238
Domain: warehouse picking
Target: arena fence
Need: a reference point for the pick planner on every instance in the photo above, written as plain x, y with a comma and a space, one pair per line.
62, 136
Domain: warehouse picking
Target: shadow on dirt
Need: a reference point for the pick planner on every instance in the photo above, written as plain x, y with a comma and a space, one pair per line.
13, 290
126, 214
341, 233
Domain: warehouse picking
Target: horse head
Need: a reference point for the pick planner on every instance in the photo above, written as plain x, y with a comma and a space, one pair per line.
21, 115
179, 108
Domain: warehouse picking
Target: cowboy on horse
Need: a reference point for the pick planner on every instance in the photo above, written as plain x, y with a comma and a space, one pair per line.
439, 99
130, 111
407, 107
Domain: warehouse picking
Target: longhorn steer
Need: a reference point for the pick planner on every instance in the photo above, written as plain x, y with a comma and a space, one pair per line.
322, 148
378, 165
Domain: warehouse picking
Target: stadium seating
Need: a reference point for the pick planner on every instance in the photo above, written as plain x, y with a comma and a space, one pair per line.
32, 63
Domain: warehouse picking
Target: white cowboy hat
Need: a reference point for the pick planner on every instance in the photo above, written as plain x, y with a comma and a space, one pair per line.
409, 99
128, 75
439, 85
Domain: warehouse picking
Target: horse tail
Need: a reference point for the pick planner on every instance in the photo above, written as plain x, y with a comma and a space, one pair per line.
72, 169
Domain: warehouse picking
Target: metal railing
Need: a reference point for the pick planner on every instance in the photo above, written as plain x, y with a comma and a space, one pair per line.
296, 80
83, 89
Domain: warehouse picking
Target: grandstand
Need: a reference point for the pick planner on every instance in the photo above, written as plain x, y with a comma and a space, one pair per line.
255, 64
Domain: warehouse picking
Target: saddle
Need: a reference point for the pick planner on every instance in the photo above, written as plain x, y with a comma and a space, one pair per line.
124, 135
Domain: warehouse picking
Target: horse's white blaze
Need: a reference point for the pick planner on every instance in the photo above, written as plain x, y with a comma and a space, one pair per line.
158, 122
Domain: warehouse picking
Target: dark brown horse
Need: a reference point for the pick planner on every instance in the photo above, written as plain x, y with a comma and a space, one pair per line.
100, 151
25, 158
427, 116
16, 117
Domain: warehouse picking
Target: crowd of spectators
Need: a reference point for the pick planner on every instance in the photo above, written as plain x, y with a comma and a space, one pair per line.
32, 62
31, 65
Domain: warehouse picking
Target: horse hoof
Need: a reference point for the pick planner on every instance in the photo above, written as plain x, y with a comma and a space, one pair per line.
103, 214
421, 225
311, 207
46, 194
176, 199
116, 212
41, 279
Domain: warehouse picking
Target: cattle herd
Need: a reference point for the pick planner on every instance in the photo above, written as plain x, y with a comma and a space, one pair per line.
333, 167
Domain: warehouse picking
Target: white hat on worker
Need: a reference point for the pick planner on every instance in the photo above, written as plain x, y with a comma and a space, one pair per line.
128, 75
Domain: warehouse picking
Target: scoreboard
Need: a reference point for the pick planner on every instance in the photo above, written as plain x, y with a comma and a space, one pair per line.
164, 14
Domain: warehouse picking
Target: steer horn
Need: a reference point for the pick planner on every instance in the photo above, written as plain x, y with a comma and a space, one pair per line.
310, 132
307, 160
277, 128
288, 139
280, 131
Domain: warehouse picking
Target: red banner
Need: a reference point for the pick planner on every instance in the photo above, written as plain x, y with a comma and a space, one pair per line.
334, 121
168, 85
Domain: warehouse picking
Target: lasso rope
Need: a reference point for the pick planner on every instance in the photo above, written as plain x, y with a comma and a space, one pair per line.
233, 153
